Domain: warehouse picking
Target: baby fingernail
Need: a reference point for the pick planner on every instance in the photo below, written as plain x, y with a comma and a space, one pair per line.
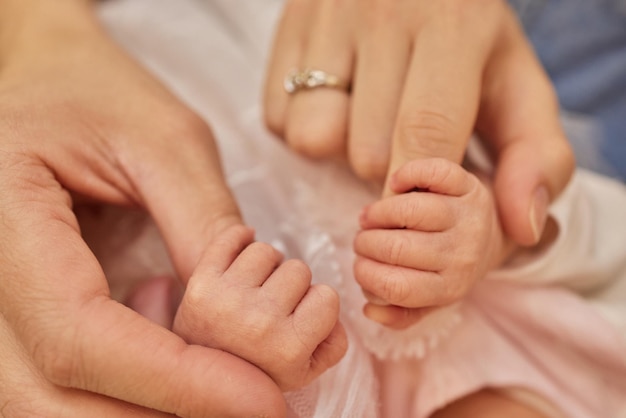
539, 211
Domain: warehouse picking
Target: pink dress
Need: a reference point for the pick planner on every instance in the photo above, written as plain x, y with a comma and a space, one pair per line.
549, 328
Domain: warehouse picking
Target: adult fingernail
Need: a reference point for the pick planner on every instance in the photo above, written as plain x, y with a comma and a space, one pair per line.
539, 211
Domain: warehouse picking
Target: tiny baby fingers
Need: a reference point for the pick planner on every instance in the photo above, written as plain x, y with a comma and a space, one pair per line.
428, 212
400, 285
330, 351
255, 264
396, 317
404, 247
288, 284
316, 316
224, 249
436, 175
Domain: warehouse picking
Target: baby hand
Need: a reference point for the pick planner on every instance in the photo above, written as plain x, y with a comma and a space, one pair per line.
426, 246
248, 302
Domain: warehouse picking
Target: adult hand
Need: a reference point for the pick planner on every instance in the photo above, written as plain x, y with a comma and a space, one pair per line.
424, 76
80, 120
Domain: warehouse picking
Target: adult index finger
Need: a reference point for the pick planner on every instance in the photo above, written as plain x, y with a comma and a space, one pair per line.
442, 91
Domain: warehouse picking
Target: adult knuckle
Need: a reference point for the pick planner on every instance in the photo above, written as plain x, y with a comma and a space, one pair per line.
185, 126
296, 6
57, 359
319, 141
460, 12
369, 166
24, 407
382, 13
274, 120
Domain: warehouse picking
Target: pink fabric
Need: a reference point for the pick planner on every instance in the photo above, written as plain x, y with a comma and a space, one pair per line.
545, 340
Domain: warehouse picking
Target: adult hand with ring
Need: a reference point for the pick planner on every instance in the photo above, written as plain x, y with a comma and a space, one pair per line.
82, 122
417, 79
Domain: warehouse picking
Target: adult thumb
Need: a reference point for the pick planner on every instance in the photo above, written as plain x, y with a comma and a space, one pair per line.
530, 174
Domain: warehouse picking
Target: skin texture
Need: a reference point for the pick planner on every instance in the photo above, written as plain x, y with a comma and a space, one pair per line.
424, 76
422, 249
250, 303
81, 122
487, 403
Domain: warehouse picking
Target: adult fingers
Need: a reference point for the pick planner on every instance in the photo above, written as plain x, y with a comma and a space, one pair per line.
530, 175
317, 314
331, 350
255, 264
179, 179
383, 54
519, 120
317, 119
79, 338
442, 90
24, 392
290, 42
289, 283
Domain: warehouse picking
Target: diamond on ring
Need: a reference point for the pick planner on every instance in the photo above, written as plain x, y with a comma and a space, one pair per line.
309, 79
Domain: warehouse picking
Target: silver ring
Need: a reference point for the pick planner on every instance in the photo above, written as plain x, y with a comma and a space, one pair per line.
307, 79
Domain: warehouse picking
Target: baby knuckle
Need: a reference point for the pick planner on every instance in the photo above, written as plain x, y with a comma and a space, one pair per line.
395, 288
265, 251
362, 274
299, 268
293, 354
439, 171
457, 282
193, 312
409, 212
393, 249
329, 298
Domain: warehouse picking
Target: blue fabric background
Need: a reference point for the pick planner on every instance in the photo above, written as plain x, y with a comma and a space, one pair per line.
582, 44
